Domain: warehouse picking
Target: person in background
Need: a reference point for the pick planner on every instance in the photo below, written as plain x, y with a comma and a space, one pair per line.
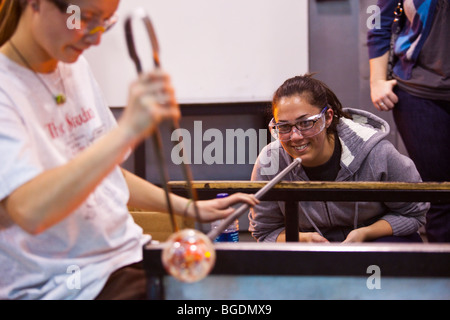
419, 92
334, 144
64, 198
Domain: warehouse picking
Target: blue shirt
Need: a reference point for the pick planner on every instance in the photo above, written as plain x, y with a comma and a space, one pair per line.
418, 22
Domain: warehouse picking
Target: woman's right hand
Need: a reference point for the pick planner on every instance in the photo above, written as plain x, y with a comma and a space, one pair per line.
310, 237
151, 100
382, 94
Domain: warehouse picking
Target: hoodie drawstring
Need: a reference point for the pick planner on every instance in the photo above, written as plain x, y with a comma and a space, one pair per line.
313, 224
355, 221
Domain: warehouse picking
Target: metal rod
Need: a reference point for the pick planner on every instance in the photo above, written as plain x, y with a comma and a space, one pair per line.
163, 172
140, 13
245, 207
164, 176
187, 173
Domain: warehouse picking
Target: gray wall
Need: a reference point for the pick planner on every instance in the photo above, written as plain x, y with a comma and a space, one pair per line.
339, 55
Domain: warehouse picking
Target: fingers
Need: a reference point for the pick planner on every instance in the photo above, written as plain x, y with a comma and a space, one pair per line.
158, 85
312, 237
384, 106
317, 238
386, 102
249, 199
221, 208
151, 100
392, 96
383, 96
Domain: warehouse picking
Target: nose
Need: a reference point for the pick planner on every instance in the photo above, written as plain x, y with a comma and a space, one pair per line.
94, 37
296, 134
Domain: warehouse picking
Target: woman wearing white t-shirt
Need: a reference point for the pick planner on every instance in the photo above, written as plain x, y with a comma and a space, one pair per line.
63, 196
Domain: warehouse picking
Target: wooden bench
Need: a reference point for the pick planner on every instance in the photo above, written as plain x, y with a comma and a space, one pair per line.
157, 224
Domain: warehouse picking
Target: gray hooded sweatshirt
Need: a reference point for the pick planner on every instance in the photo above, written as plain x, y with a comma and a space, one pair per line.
366, 156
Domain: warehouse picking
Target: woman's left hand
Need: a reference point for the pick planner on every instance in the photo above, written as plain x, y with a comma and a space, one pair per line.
356, 235
215, 209
379, 229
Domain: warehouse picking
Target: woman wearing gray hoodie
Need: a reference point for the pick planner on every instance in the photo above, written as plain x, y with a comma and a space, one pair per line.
335, 144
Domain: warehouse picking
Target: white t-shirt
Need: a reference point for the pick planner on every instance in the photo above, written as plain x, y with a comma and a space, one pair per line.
73, 259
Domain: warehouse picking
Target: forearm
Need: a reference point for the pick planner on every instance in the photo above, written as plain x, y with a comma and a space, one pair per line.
379, 229
54, 194
145, 195
378, 68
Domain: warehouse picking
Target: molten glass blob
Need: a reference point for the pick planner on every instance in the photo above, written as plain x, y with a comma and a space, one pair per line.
189, 255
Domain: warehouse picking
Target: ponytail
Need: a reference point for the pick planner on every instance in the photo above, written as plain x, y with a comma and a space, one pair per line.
10, 12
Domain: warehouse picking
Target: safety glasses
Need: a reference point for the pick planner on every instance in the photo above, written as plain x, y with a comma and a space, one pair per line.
308, 128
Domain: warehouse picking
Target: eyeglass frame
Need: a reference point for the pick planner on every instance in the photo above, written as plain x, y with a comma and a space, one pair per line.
314, 118
107, 24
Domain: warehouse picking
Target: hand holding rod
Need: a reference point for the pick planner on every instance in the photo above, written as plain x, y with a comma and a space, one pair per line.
140, 13
245, 207
164, 176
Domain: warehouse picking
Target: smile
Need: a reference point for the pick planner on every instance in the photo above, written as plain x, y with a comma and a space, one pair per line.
301, 148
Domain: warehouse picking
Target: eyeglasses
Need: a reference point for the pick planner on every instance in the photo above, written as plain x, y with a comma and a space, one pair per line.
89, 24
307, 128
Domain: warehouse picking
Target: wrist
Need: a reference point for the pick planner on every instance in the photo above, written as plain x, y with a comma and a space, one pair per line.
377, 80
363, 234
187, 206
126, 136
305, 237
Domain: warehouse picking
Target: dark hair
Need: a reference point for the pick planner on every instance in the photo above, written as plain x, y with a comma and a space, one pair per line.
10, 13
317, 94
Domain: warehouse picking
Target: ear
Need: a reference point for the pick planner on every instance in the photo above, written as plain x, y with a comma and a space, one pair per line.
329, 115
